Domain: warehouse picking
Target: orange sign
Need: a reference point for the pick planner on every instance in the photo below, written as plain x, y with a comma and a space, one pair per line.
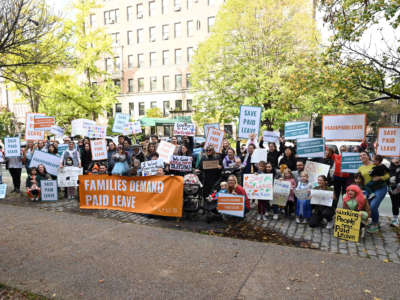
155, 195
231, 204
44, 123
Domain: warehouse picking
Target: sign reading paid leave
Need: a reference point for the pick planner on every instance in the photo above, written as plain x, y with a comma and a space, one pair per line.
249, 121
344, 127
232, 205
210, 125
155, 195
43, 123
99, 149
389, 141
297, 130
347, 224
187, 129
48, 190
214, 138
12, 147
258, 186
165, 150
30, 133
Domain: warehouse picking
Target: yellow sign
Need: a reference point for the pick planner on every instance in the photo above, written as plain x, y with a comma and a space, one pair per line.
347, 224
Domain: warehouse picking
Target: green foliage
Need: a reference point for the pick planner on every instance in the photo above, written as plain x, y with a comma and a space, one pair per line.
154, 112
7, 122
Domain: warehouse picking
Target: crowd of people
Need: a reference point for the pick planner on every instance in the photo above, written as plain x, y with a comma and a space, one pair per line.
363, 191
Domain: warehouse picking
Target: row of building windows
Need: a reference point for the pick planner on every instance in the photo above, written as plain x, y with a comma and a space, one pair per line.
154, 83
166, 107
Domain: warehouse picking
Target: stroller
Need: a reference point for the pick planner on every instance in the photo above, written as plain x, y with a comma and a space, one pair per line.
192, 193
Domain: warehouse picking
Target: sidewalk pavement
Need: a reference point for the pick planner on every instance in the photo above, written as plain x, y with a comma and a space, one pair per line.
69, 256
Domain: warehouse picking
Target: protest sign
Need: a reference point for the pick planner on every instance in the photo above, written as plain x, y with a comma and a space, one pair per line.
302, 194
258, 186
3, 190
210, 164
271, 136
68, 176
281, 192
321, 197
297, 130
249, 121
120, 121
155, 195
43, 123
165, 150
259, 155
210, 125
347, 224
57, 131
315, 169
137, 127
96, 132
12, 147
215, 138
99, 149
181, 163
50, 161
310, 147
151, 167
389, 141
80, 126
232, 205
61, 148
350, 162
344, 127
1, 159
30, 133
48, 190
181, 128
132, 128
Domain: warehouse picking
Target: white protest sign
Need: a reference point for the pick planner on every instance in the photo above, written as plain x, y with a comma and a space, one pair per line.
120, 122
30, 133
210, 125
350, 162
281, 192
12, 147
3, 190
271, 136
96, 132
302, 194
48, 190
137, 127
150, 167
165, 151
215, 138
389, 141
99, 149
297, 130
187, 129
249, 121
310, 147
321, 197
232, 205
344, 127
80, 126
181, 163
258, 186
315, 169
132, 128
259, 155
50, 161
68, 176
1, 157
57, 130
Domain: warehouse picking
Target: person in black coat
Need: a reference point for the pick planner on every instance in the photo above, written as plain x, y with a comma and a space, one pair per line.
210, 176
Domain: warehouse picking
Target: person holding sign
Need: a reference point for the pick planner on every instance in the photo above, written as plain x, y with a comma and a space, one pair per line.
210, 167
14, 165
354, 199
303, 205
120, 158
322, 214
33, 185
235, 189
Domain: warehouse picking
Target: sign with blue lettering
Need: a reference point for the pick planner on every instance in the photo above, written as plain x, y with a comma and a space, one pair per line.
120, 122
297, 130
48, 190
311, 147
249, 121
12, 147
350, 162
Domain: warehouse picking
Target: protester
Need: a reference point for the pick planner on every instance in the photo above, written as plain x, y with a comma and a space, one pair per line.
151, 149
340, 179
28, 153
14, 165
289, 158
120, 158
299, 168
322, 214
86, 157
33, 185
395, 190
72, 153
210, 176
303, 205
235, 189
291, 201
262, 204
112, 149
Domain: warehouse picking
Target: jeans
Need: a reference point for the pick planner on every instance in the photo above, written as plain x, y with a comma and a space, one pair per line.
375, 202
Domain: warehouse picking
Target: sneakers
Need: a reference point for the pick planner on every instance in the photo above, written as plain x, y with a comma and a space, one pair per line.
329, 225
374, 228
305, 221
362, 233
395, 222
264, 217
298, 220
275, 217
258, 217
371, 196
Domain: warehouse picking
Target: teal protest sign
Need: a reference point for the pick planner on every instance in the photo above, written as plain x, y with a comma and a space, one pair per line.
350, 162
297, 130
311, 147
249, 121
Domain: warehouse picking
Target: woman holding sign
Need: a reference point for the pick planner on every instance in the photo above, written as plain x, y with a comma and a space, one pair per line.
235, 189
210, 167
321, 212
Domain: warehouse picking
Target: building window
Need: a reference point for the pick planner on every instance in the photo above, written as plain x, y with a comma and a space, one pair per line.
165, 32
167, 130
111, 16
141, 108
118, 107
198, 24
130, 85
178, 56
164, 6
152, 8
139, 10
210, 23
153, 104
190, 28
188, 82
117, 64
189, 103
140, 84
152, 34
140, 33
166, 83
178, 81
130, 37
130, 61
153, 59
178, 105
177, 5
189, 4
108, 64
165, 57
153, 83
166, 108
129, 12
190, 53
92, 20
177, 30
131, 108
115, 38
140, 60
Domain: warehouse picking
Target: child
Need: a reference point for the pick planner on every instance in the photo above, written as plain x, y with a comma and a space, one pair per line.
378, 170
224, 187
33, 185
71, 189
290, 204
303, 206
262, 204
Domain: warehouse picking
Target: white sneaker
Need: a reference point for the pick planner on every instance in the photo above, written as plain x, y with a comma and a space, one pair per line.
258, 217
395, 222
265, 218
266, 214
329, 225
298, 220
275, 217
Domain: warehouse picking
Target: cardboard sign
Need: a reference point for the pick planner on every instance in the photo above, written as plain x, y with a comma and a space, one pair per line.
151, 167
315, 169
321, 197
80, 126
166, 150
249, 121
297, 130
187, 129
281, 192
210, 125
271, 136
389, 141
210, 164
259, 155
57, 131
347, 224
181, 163
215, 138
30, 133
350, 162
155, 195
302, 194
48, 190
43, 123
120, 122
99, 149
68, 176
344, 127
311, 147
12, 147
3, 190
96, 132
232, 205
258, 186
50, 161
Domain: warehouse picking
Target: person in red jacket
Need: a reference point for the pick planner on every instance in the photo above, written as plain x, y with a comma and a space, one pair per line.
235, 189
340, 179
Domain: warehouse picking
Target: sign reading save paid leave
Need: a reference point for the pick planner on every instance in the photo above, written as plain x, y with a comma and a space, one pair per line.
12, 147
214, 138
347, 224
155, 195
99, 149
232, 205
389, 141
344, 127
249, 121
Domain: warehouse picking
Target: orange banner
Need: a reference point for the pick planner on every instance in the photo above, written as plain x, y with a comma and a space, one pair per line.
155, 195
